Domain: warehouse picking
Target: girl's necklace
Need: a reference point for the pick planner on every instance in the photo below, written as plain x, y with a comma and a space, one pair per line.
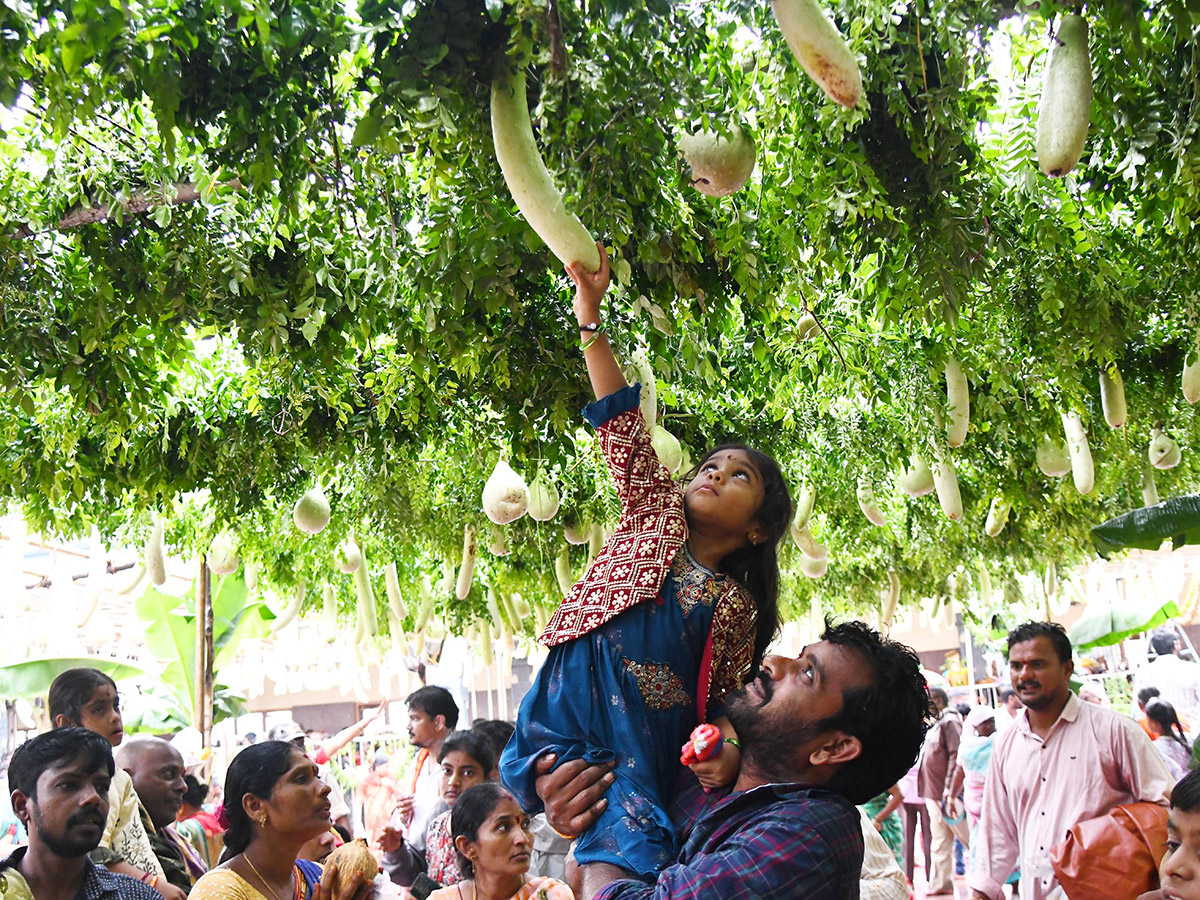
258, 875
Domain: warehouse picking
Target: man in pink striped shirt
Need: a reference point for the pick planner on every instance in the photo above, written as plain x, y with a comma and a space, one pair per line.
1062, 762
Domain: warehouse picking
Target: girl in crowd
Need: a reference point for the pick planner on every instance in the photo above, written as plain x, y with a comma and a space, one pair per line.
274, 805
197, 825
676, 610
493, 844
465, 759
88, 698
1169, 739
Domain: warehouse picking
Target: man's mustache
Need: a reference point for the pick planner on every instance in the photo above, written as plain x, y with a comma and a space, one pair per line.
86, 818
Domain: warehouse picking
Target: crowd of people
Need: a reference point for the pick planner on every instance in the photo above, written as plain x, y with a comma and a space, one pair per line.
848, 722
661, 753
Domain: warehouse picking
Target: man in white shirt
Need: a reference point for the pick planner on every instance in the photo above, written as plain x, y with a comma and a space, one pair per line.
1008, 710
1062, 763
881, 877
432, 714
1177, 680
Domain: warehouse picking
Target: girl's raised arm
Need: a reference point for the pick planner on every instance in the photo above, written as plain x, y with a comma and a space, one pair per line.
605, 374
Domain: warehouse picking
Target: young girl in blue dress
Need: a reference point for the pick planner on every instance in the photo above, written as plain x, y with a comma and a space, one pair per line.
676, 610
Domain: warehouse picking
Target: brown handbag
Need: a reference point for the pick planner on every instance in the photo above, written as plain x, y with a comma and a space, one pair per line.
1114, 856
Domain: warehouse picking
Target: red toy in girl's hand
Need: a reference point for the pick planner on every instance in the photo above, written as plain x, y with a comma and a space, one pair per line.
703, 745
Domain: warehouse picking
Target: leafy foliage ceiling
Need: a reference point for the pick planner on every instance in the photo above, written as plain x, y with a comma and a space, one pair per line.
353, 298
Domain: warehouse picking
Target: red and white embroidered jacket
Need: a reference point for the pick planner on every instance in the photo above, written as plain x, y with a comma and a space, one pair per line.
633, 562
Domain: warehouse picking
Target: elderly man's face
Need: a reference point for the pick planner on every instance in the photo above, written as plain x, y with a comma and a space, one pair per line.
158, 780
779, 714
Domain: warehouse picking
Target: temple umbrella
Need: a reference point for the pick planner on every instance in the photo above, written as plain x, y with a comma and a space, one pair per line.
1145, 529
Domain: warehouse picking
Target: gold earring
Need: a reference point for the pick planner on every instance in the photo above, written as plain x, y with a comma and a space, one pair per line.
263, 822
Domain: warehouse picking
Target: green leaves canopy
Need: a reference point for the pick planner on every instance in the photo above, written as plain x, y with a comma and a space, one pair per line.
354, 300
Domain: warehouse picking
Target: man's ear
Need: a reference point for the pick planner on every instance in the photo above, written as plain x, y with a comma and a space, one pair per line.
440, 722
21, 807
837, 748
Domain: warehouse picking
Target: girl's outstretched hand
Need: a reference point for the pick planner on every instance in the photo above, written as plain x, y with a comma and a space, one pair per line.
589, 287
721, 770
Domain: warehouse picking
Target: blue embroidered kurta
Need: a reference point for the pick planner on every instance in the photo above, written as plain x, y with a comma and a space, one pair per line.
624, 691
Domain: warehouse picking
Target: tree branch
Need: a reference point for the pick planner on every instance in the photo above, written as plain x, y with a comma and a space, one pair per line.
136, 204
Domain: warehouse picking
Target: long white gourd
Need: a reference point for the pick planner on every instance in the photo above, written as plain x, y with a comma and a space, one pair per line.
1112, 397
154, 555
562, 571
820, 49
1191, 371
535, 193
1149, 488
958, 399
809, 546
644, 372
804, 505
1082, 469
285, 618
866, 502
466, 572
945, 481
391, 583
892, 599
985, 586
329, 613
997, 516
1064, 110
425, 610
813, 568
366, 595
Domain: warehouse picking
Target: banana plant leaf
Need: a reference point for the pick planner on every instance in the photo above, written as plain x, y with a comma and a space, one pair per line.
1145, 529
1103, 625
32, 677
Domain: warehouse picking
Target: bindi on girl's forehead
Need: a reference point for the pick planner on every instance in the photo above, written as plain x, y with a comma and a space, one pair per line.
735, 456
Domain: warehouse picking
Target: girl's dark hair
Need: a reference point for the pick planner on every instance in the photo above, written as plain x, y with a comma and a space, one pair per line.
497, 731
1185, 796
70, 692
469, 814
756, 566
474, 744
196, 793
1163, 714
253, 771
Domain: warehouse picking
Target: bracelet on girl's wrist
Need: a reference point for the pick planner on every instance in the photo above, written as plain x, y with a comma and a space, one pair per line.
592, 327
733, 742
595, 336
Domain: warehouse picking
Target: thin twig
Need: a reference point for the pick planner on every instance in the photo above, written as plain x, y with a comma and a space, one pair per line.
828, 336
